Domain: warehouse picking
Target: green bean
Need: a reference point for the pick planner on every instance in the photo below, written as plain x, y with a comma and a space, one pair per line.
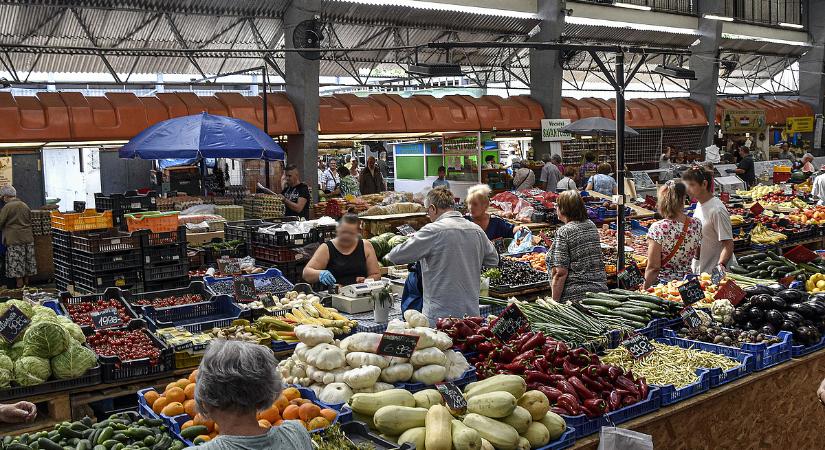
669, 364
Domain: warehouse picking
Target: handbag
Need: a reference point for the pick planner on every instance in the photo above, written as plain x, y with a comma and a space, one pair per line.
678, 243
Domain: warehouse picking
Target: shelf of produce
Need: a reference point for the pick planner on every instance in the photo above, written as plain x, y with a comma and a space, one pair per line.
738, 413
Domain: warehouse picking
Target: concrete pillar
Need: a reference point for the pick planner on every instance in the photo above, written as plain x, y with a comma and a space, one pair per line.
545, 68
302, 89
811, 66
704, 60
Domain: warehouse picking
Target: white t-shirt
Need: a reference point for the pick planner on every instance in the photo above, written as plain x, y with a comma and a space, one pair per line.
818, 190
715, 229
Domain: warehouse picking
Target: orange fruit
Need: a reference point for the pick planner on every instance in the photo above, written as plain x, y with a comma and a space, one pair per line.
317, 423
172, 409
277, 422
291, 393
329, 414
308, 411
281, 403
182, 383
270, 414
200, 420
304, 424
190, 408
187, 424
159, 404
150, 397
299, 401
189, 391
204, 438
264, 424
193, 376
291, 413
175, 394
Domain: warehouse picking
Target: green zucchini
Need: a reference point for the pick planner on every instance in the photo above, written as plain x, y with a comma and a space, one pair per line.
739, 270
601, 302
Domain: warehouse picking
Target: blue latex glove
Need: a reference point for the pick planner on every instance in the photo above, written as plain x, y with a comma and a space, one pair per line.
326, 278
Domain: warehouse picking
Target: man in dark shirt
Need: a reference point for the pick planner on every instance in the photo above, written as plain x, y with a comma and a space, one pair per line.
296, 194
745, 168
370, 181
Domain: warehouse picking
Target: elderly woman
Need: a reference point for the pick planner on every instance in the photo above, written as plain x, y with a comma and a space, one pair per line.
16, 225
575, 259
808, 164
478, 201
236, 380
345, 260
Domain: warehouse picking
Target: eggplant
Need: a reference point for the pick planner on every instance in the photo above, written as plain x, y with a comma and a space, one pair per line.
768, 329
805, 310
793, 316
758, 289
805, 335
756, 314
788, 325
818, 306
761, 300
774, 317
791, 295
779, 303
776, 287
739, 315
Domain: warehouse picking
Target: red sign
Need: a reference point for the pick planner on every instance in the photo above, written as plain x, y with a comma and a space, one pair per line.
757, 209
725, 197
800, 254
731, 291
786, 281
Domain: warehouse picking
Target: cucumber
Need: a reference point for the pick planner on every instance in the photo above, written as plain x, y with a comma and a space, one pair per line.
624, 292
48, 444
752, 258
629, 316
595, 309
193, 432
651, 299
605, 295
739, 270
634, 310
644, 304
768, 264
601, 302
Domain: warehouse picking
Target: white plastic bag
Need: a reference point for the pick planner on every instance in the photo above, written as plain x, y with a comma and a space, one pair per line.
612, 438
522, 241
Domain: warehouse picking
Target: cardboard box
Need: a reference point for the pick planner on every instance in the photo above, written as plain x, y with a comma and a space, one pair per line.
203, 238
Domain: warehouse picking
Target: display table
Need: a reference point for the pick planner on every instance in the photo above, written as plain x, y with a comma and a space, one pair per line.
638, 211
375, 225
775, 408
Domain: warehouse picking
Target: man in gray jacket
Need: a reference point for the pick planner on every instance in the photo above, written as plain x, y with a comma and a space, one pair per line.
452, 251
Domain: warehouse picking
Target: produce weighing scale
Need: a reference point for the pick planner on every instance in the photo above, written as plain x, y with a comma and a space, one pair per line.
358, 297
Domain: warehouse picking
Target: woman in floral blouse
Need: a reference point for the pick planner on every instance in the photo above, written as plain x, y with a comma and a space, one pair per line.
348, 185
673, 242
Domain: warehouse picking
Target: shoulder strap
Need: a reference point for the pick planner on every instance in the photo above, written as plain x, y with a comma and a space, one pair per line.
678, 242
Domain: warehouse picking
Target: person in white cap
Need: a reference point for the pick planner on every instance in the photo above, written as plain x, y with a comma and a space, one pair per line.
16, 225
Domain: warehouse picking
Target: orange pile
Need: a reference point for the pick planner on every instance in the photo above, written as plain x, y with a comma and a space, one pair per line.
179, 398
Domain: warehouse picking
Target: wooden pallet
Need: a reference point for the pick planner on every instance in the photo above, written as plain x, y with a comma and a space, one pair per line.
51, 409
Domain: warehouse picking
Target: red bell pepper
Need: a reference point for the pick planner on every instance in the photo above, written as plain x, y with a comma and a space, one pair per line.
591, 371
551, 393
644, 389
475, 339
592, 384
534, 376
521, 339
570, 403
629, 400
581, 389
614, 401
567, 388
614, 372
594, 407
561, 411
580, 357
534, 342
525, 356
625, 383
512, 368
485, 347
569, 370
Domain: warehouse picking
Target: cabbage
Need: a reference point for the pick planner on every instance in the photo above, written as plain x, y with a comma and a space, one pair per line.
6, 370
75, 332
31, 370
16, 350
22, 305
74, 362
38, 310
45, 318
45, 339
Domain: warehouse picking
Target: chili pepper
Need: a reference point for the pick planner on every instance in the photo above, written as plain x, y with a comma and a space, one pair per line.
580, 388
534, 342
551, 393
526, 356
485, 347
519, 341
475, 339
644, 389
506, 354
561, 411
534, 376
567, 388
629, 400
591, 383
569, 369
591, 371
541, 365
594, 407
569, 403
513, 368
614, 401
580, 357
614, 372
627, 384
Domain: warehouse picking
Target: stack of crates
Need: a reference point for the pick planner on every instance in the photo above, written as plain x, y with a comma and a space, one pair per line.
281, 250
165, 260
41, 222
126, 203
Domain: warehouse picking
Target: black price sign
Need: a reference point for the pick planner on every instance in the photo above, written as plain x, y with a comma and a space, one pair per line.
229, 266
406, 230
639, 346
690, 317
106, 318
245, 289
631, 278
452, 396
509, 322
398, 345
757, 209
691, 291
12, 323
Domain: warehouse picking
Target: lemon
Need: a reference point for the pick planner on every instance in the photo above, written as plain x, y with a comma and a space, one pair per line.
820, 284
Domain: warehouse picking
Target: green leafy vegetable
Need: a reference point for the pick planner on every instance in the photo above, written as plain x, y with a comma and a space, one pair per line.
45, 339
31, 370
74, 362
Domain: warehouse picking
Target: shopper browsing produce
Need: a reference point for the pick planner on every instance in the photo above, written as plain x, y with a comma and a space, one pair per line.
786, 154
673, 242
19, 412
371, 181
296, 194
716, 251
329, 178
348, 184
345, 260
442, 178
568, 182
808, 164
575, 259
745, 168
16, 225
587, 169
452, 251
818, 188
236, 380
602, 182
550, 174
478, 201
523, 177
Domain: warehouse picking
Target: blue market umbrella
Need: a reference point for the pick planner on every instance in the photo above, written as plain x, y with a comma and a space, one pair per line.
202, 136
597, 126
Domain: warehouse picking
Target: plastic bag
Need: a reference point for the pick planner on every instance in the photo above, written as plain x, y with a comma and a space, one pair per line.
522, 241
612, 438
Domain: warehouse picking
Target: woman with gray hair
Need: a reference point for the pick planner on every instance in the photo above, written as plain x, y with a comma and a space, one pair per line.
236, 380
16, 226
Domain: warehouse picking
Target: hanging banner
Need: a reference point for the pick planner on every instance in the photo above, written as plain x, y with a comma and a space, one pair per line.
799, 124
818, 132
6, 171
551, 130
738, 121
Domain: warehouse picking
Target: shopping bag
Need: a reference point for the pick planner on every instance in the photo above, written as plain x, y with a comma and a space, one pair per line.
522, 241
612, 438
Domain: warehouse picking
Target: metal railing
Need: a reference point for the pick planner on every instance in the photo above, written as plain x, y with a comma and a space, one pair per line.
768, 12
671, 6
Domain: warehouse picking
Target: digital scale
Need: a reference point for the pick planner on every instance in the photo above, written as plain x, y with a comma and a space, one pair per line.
357, 298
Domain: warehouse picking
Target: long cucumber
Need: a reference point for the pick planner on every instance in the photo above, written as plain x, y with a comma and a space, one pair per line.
601, 302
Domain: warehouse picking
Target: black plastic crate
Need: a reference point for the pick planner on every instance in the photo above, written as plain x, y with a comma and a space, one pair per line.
322, 233
127, 200
115, 369
61, 283
63, 271
107, 262
195, 287
101, 241
166, 238
277, 255
242, 229
90, 378
165, 254
166, 272
197, 258
163, 285
62, 239
293, 271
66, 298
211, 255
98, 282
278, 239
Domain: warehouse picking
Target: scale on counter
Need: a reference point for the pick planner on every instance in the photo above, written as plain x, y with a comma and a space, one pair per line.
357, 298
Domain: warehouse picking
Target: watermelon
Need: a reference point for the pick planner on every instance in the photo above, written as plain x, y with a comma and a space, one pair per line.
395, 241
386, 236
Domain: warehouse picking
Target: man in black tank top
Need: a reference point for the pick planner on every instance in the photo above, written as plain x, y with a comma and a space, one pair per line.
345, 260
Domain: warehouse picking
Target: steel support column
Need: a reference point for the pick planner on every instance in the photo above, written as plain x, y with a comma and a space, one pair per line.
704, 60
545, 68
302, 88
812, 66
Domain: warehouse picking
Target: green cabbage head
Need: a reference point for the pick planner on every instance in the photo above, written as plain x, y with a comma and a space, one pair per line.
31, 370
74, 362
16, 350
24, 306
45, 339
6, 370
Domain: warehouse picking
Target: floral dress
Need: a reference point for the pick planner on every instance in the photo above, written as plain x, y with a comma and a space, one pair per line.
666, 233
349, 186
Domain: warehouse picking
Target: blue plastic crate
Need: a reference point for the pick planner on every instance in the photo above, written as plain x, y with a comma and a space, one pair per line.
585, 426
764, 355
716, 376
566, 440
195, 317
670, 394
54, 306
654, 328
260, 280
801, 350
468, 377
283, 346
636, 228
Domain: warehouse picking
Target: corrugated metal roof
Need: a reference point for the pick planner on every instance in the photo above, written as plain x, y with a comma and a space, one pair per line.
610, 35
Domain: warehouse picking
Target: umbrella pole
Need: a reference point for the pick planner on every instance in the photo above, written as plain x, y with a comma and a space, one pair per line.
203, 175
266, 122
620, 106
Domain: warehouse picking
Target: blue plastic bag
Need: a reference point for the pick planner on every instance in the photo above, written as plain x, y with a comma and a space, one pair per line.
522, 241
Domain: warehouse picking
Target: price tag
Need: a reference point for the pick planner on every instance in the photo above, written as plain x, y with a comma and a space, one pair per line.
509, 322
106, 318
757, 209
631, 278
800, 254
731, 291
245, 289
691, 291
229, 266
12, 324
136, 205
398, 345
452, 396
725, 197
639, 346
406, 230
690, 317
786, 281
716, 277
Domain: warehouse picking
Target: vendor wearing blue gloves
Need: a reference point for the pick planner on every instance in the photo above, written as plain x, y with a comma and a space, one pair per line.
345, 260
